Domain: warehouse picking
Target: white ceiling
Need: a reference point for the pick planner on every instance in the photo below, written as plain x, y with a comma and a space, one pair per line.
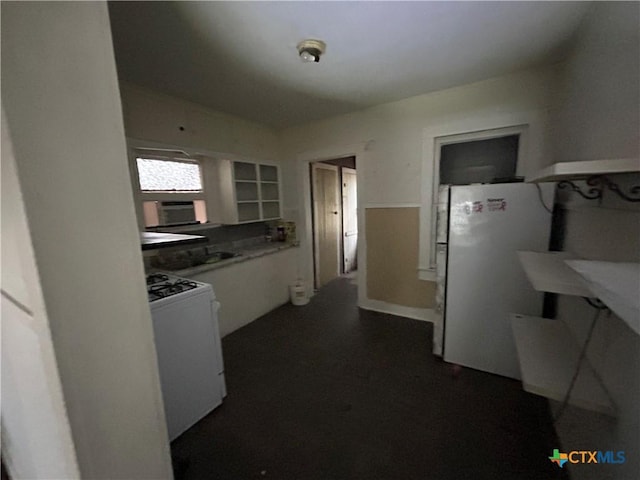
241, 58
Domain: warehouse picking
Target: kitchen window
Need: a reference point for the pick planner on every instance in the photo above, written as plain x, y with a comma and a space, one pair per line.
157, 175
171, 190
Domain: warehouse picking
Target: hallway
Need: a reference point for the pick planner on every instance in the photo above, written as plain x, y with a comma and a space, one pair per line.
331, 391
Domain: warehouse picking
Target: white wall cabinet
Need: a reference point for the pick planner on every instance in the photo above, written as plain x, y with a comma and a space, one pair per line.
250, 191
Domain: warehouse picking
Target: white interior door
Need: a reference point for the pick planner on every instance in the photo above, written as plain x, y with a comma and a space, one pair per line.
326, 223
35, 425
350, 219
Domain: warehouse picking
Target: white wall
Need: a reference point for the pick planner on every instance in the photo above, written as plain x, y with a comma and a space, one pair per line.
597, 115
36, 436
388, 140
606, 233
60, 94
154, 119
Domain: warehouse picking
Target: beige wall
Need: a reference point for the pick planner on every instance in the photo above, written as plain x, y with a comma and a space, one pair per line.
597, 116
60, 95
392, 249
388, 141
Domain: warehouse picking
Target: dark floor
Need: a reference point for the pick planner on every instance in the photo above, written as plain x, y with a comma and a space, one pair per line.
328, 391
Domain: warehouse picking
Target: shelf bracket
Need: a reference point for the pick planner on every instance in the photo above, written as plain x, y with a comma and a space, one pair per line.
597, 185
591, 194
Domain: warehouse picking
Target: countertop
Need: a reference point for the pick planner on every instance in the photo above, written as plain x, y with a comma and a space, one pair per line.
245, 254
155, 240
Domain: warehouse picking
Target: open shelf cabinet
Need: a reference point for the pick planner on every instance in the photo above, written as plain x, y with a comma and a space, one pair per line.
548, 356
616, 284
582, 170
548, 272
250, 191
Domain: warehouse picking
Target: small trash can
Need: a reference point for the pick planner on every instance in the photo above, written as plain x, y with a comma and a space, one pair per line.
298, 293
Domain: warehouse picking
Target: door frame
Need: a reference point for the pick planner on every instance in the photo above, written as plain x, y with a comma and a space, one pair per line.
303, 159
343, 232
316, 243
530, 159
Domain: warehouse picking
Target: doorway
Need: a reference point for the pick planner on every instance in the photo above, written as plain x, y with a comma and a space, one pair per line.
335, 218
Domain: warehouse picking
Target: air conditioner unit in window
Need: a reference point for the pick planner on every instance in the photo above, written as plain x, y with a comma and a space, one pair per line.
176, 212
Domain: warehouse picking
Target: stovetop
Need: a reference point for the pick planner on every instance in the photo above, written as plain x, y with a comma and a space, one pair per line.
157, 278
160, 286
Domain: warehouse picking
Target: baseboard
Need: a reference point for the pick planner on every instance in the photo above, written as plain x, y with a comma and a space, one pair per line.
424, 314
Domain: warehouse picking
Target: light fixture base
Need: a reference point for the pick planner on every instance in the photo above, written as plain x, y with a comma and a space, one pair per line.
310, 50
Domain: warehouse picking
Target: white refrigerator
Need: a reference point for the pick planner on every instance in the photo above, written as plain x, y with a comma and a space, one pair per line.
479, 278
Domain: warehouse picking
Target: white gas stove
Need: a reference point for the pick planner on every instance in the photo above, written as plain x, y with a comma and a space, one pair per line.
162, 285
187, 338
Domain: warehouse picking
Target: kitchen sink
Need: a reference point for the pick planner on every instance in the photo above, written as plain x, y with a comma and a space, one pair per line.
182, 260
216, 257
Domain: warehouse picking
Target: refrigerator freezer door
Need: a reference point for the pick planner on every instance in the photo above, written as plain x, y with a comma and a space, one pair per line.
488, 224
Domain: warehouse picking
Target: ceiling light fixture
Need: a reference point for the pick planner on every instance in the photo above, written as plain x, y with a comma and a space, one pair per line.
310, 50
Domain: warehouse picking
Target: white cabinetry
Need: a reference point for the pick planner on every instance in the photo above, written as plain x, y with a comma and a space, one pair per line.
265, 285
250, 191
549, 355
583, 170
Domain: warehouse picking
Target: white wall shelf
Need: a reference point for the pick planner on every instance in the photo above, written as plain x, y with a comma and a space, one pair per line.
616, 284
582, 170
548, 272
548, 356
